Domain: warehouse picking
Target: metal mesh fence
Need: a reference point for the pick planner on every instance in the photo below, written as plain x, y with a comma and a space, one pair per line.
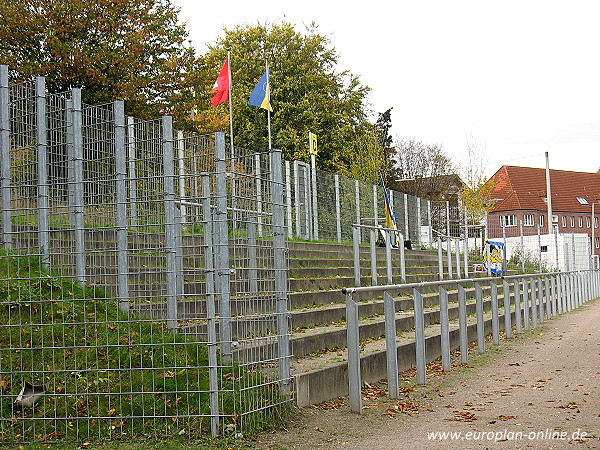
129, 303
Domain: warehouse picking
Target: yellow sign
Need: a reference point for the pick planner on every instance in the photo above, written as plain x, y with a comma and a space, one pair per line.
312, 143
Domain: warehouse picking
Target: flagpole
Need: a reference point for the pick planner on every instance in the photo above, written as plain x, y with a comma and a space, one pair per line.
230, 109
269, 104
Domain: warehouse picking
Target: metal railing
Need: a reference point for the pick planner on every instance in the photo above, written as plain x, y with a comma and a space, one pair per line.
530, 299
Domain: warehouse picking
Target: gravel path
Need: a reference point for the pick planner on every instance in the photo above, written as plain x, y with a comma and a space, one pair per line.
540, 390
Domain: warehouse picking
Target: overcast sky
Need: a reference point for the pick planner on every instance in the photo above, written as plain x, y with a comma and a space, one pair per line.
520, 77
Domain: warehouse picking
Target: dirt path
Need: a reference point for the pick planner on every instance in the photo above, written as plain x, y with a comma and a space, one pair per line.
540, 390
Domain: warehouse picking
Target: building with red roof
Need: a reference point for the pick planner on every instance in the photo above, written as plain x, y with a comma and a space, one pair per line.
520, 202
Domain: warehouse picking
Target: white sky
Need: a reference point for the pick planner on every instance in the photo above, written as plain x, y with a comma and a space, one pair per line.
521, 77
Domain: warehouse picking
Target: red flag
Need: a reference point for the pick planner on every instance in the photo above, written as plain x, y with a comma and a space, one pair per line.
221, 89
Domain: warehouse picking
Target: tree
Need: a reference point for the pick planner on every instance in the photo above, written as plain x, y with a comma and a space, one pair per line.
132, 50
424, 170
384, 125
476, 193
307, 94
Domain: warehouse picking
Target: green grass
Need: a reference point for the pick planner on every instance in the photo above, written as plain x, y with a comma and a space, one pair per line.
109, 375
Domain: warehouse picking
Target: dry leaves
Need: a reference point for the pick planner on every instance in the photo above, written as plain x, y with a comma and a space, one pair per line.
404, 408
463, 416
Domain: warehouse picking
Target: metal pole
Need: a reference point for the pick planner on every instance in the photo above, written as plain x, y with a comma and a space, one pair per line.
211, 314
462, 325
288, 199
315, 209
78, 191
406, 229
373, 251
281, 275
390, 344
222, 249
131, 153
42, 170
170, 222
480, 318
419, 338
495, 318
353, 343
121, 197
338, 216
449, 255
506, 301
440, 259
526, 305
534, 310
388, 256
444, 329
5, 169
357, 199
457, 249
518, 307
356, 253
429, 223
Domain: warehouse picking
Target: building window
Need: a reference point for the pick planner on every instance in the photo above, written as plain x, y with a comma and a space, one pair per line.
597, 242
528, 220
564, 221
595, 222
508, 221
572, 221
544, 249
541, 221
580, 222
587, 222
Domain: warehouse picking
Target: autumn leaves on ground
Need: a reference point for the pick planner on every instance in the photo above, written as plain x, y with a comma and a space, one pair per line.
538, 390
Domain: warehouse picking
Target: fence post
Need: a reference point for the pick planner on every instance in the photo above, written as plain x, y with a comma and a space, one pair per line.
353, 342
457, 249
440, 259
390, 344
406, 229
480, 318
170, 224
549, 311
5, 170
419, 338
506, 301
42, 170
222, 248
462, 325
78, 192
357, 199
338, 215
495, 318
388, 256
429, 223
444, 329
121, 197
540, 296
418, 237
288, 199
526, 304
280, 262
518, 307
131, 157
449, 255
373, 251
259, 195
182, 180
211, 314
315, 198
356, 252
534, 307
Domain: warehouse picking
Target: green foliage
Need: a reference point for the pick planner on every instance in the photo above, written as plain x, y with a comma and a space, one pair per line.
114, 49
307, 94
109, 375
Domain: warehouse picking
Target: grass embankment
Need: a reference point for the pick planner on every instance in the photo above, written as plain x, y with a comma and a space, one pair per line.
107, 374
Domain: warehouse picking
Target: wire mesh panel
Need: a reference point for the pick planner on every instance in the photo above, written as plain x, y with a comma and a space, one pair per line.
328, 205
348, 207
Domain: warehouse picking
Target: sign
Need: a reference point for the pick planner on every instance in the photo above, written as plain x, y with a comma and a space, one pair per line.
312, 143
495, 251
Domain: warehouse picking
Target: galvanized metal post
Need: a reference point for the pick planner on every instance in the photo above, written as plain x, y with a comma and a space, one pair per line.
372, 248
259, 194
5, 169
549, 311
170, 222
556, 308
182, 175
132, 159
480, 318
419, 338
388, 256
406, 229
507, 313
440, 259
281, 274
221, 247
541, 292
42, 172
390, 344
457, 249
315, 197
357, 199
526, 304
444, 329
462, 325
518, 307
121, 197
534, 307
449, 255
353, 343
375, 206
288, 199
495, 318
338, 216
211, 313
356, 253
429, 223
78, 192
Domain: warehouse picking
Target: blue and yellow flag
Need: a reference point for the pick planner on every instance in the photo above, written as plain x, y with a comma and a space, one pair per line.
261, 95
